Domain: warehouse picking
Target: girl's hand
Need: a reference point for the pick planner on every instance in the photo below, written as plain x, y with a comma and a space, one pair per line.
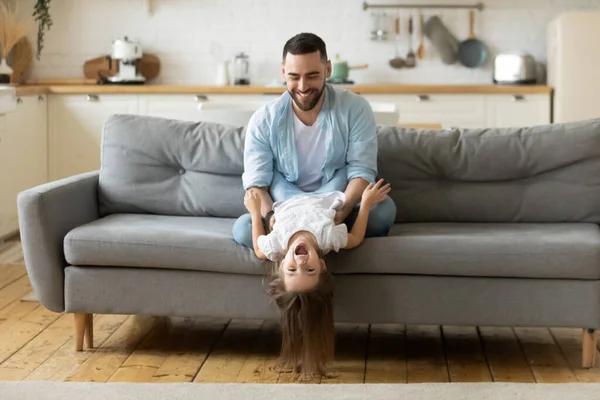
374, 194
252, 202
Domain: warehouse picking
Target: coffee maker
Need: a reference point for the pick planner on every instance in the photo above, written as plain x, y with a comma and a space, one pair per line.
241, 69
128, 55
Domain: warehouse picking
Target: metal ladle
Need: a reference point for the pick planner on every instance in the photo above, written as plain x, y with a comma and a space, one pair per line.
397, 62
411, 59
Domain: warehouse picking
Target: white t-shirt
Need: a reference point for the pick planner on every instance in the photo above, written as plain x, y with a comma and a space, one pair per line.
310, 146
311, 212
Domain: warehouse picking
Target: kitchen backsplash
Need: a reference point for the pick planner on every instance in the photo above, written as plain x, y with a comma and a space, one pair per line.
191, 36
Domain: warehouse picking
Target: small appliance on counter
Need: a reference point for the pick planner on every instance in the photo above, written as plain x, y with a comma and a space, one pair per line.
241, 70
340, 71
515, 68
128, 54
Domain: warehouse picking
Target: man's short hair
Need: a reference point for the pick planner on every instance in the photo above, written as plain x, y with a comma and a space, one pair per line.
305, 43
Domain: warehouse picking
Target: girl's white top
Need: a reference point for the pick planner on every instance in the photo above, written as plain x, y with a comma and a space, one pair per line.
311, 212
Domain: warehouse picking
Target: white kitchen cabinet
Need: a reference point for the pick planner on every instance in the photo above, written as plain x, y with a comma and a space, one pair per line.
445, 109
23, 151
174, 106
241, 98
75, 130
469, 110
518, 110
185, 107
75, 121
6, 198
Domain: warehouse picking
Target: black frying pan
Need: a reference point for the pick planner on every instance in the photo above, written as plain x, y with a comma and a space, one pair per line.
472, 52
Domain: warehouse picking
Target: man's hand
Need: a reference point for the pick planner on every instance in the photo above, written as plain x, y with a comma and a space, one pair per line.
252, 202
266, 203
374, 194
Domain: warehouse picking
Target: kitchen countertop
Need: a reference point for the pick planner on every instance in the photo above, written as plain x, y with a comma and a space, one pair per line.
382, 88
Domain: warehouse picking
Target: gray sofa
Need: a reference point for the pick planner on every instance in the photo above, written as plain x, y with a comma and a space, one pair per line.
495, 227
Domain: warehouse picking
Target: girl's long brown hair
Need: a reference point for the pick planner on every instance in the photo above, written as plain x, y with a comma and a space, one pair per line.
307, 327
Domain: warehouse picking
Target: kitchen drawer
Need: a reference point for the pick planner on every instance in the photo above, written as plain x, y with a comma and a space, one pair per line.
518, 110
447, 110
176, 106
240, 98
185, 107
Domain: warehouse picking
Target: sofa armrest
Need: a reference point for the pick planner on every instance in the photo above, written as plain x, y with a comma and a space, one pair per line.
46, 214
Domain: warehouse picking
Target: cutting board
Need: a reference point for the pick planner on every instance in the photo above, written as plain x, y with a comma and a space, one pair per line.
20, 59
102, 67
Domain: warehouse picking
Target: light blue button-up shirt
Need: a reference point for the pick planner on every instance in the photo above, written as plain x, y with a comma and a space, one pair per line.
346, 119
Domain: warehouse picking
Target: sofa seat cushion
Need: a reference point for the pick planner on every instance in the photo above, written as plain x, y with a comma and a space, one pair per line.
561, 251
158, 241
520, 250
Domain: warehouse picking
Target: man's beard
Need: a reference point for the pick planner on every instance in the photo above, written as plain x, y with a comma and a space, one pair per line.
313, 102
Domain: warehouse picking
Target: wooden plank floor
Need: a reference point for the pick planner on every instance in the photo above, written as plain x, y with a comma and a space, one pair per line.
37, 344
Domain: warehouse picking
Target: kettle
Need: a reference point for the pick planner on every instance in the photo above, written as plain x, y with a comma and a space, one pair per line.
241, 69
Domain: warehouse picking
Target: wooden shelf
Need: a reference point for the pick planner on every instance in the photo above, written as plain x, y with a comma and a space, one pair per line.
389, 88
478, 6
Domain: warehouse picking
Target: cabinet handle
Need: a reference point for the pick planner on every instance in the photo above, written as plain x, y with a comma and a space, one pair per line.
518, 97
41, 99
19, 100
92, 97
200, 97
422, 97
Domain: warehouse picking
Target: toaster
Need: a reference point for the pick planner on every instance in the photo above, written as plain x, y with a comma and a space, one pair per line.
515, 68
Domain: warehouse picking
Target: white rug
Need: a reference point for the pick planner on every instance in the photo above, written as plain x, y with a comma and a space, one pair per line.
248, 391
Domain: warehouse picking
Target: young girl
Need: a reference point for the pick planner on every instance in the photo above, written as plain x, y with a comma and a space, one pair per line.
302, 231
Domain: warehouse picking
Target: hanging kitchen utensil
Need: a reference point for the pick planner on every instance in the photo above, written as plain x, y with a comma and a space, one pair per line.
421, 49
442, 39
397, 62
472, 53
378, 28
411, 59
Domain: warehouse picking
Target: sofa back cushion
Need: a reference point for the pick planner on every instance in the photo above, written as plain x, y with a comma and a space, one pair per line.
162, 166
548, 173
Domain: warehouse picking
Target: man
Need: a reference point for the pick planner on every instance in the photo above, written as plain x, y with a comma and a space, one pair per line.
313, 139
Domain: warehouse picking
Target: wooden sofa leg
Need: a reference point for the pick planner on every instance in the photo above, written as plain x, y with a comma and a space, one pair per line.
83, 328
89, 330
589, 341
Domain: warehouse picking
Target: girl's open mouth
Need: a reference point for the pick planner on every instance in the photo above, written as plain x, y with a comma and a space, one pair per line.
301, 250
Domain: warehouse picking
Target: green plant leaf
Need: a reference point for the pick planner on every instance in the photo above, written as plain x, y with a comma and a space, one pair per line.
41, 13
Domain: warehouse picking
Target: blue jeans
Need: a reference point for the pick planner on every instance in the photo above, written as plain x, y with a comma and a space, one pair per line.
381, 216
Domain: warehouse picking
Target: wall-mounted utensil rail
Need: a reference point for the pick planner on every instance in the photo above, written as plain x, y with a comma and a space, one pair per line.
478, 6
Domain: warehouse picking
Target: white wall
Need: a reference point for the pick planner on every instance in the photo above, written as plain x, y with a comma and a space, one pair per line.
189, 35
